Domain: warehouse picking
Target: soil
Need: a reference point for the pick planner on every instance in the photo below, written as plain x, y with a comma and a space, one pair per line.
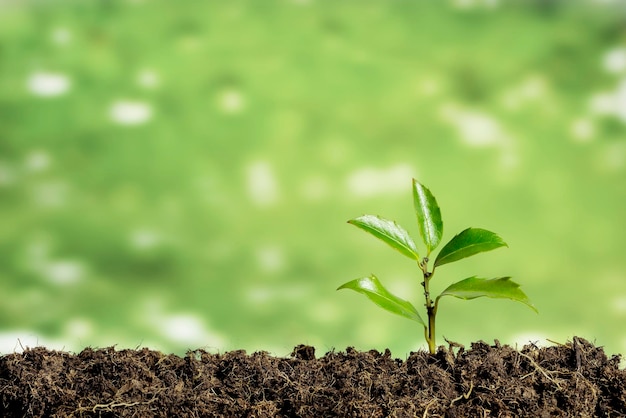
570, 380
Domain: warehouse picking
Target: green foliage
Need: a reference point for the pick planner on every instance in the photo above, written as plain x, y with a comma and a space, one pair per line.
428, 216
376, 292
469, 242
474, 287
389, 232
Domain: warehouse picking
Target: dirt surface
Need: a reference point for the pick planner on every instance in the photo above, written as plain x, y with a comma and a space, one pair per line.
571, 380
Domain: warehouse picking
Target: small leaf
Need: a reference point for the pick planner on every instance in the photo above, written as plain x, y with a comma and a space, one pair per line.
428, 216
389, 232
376, 292
501, 287
467, 243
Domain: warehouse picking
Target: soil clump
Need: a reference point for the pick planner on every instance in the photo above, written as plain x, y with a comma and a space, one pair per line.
570, 380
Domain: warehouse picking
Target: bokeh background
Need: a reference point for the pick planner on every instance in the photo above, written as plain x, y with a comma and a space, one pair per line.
178, 175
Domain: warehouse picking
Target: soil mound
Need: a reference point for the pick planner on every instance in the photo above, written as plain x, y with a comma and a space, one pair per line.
571, 380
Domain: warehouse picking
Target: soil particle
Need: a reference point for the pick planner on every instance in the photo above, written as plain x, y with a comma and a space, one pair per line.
570, 380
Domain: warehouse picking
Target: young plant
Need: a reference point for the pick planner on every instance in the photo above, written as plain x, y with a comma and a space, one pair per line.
465, 244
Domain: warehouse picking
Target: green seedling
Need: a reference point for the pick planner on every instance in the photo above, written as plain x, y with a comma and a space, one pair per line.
465, 244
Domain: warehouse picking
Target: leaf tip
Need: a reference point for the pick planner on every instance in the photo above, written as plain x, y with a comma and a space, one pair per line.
531, 306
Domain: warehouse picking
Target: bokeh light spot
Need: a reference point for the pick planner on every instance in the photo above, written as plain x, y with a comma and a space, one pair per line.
50, 194
144, 239
148, 79
369, 182
259, 295
611, 103
231, 101
582, 130
619, 304
16, 341
37, 161
61, 36
79, 328
475, 128
189, 329
271, 259
48, 84
125, 112
64, 272
262, 184
615, 61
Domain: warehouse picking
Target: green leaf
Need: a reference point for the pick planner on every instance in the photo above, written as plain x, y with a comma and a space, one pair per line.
467, 243
389, 232
376, 292
501, 287
428, 216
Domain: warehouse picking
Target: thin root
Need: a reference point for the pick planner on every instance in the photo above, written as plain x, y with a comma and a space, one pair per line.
108, 407
428, 406
540, 369
557, 343
464, 395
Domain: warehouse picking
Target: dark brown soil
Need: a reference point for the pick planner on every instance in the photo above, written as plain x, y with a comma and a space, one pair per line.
572, 380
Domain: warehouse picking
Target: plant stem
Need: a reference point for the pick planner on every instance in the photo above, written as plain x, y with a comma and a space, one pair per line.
431, 330
430, 308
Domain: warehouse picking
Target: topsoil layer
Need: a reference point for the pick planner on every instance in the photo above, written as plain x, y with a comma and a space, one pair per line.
572, 380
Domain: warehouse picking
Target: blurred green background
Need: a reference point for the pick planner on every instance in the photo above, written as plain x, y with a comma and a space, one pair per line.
179, 174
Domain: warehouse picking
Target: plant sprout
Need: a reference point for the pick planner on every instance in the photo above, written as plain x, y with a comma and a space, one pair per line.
465, 244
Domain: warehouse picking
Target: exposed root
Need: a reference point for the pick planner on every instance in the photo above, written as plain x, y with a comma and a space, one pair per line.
428, 406
109, 407
539, 369
464, 395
